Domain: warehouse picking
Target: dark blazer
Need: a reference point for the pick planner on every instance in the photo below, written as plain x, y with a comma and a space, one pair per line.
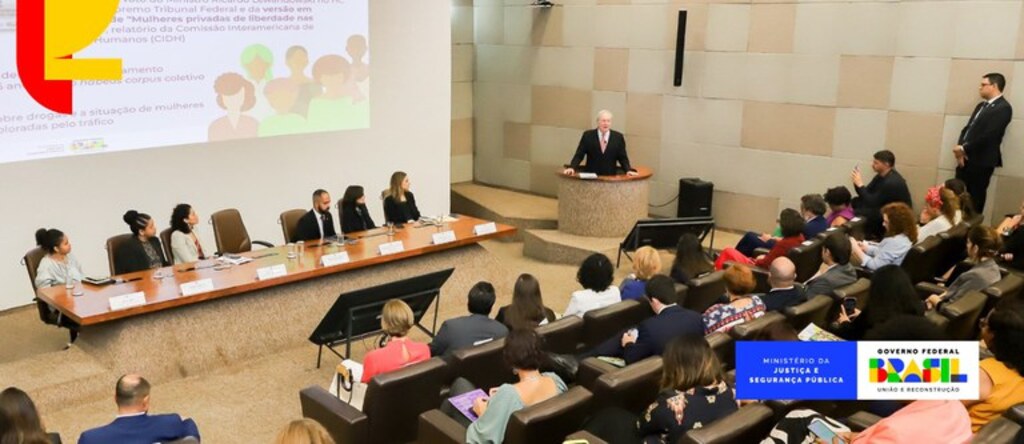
1014, 244
355, 218
815, 227
602, 164
131, 257
833, 278
309, 226
778, 299
654, 333
983, 134
877, 194
143, 429
464, 332
401, 212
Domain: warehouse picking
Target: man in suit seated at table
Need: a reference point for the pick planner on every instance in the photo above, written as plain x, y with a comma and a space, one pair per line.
784, 292
603, 147
476, 328
134, 424
653, 334
317, 223
835, 253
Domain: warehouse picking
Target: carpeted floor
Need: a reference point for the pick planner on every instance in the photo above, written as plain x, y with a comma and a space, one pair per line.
250, 402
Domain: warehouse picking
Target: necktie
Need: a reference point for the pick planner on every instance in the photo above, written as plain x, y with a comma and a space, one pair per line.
970, 125
604, 142
323, 225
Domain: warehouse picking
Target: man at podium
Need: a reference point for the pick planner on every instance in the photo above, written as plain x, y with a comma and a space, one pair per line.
603, 148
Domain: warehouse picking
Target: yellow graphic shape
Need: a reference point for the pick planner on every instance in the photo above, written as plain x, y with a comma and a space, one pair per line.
71, 26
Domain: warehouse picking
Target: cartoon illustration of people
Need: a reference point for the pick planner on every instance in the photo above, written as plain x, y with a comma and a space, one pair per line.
236, 96
335, 109
282, 95
359, 79
258, 61
297, 59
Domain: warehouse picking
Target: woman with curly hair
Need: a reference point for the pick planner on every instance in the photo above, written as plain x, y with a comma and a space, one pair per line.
900, 236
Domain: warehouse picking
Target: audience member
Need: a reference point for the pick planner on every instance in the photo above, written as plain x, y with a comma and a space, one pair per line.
143, 251
741, 306
475, 328
693, 394
891, 294
983, 245
59, 265
134, 424
354, 215
959, 188
812, 208
1012, 253
303, 431
396, 320
595, 275
317, 223
23, 418
792, 225
784, 291
646, 263
524, 352
1001, 381
839, 205
886, 187
399, 203
527, 309
654, 333
185, 245
835, 254
906, 327
690, 261
900, 236
941, 212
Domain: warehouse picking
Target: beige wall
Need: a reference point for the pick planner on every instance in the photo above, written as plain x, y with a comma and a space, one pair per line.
779, 99
462, 91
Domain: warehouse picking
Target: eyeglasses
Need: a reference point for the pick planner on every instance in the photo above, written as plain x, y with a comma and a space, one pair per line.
985, 84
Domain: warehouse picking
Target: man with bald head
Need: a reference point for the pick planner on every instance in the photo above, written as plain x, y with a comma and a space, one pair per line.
603, 148
134, 424
784, 292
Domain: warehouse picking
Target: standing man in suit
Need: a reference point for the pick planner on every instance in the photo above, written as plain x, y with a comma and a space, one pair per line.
317, 224
467, 331
886, 187
977, 151
134, 424
835, 253
603, 147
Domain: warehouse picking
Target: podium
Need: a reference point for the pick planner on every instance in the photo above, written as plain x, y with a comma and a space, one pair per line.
607, 206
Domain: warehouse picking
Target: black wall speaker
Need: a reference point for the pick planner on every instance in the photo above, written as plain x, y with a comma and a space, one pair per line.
677, 79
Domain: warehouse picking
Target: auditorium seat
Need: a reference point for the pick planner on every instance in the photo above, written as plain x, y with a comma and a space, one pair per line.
724, 347
562, 336
584, 437
751, 423
633, 387
807, 258
855, 228
1003, 429
937, 319
922, 262
814, 310
289, 221
230, 233
547, 422
963, 315
165, 240
860, 290
704, 291
603, 323
483, 364
1009, 286
953, 248
113, 245
782, 407
31, 262
749, 330
392, 403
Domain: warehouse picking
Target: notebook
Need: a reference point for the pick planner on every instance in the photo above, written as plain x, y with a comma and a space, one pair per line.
464, 402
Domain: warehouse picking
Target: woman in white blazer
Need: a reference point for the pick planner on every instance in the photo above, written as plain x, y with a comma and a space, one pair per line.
185, 245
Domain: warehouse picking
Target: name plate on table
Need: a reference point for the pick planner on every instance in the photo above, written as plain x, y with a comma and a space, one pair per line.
196, 287
444, 237
588, 176
483, 229
130, 300
331, 260
391, 248
271, 272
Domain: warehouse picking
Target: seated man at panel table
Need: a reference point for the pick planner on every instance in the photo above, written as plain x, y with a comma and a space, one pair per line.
653, 334
476, 328
784, 292
835, 254
317, 223
603, 147
134, 424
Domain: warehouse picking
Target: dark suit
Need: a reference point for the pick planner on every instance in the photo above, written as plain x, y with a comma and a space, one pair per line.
602, 164
131, 256
981, 139
464, 332
833, 278
355, 218
142, 429
309, 226
778, 299
653, 334
815, 226
880, 192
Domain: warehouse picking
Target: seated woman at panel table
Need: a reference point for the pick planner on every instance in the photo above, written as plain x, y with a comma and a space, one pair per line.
595, 275
527, 309
354, 215
900, 236
396, 320
143, 251
399, 203
185, 245
59, 265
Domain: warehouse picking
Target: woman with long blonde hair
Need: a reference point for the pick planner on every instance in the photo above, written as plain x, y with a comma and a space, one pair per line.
399, 203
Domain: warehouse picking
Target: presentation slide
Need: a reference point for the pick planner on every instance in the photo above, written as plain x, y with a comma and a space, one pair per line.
197, 71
